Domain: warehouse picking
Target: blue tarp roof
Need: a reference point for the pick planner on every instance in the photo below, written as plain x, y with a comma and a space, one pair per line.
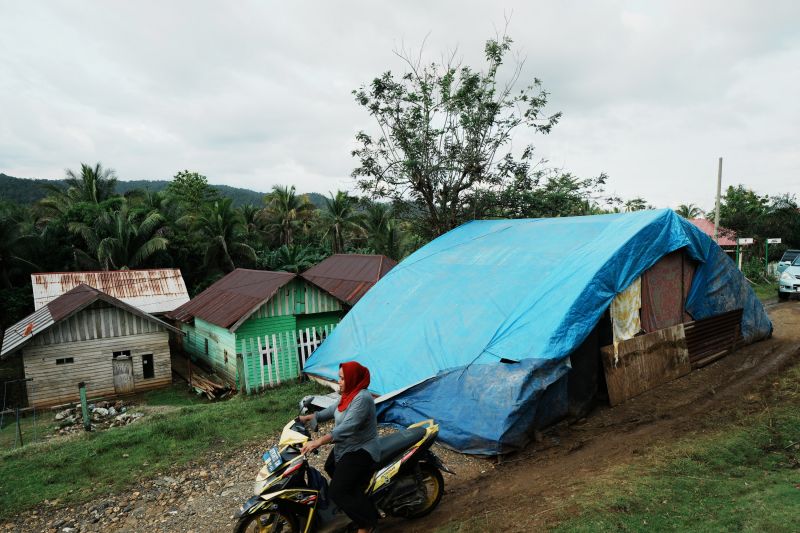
529, 291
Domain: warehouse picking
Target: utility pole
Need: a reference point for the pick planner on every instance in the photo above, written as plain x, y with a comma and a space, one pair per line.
719, 193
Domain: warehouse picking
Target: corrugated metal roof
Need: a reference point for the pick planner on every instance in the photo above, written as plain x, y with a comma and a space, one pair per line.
152, 291
233, 298
63, 307
727, 237
349, 276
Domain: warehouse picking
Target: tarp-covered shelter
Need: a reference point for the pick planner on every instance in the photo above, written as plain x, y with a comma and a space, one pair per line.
476, 329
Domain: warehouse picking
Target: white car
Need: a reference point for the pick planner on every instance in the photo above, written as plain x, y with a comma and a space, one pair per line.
786, 259
789, 282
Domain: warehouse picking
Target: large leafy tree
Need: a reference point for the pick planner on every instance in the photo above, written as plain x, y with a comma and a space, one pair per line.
284, 212
339, 218
120, 239
191, 191
444, 133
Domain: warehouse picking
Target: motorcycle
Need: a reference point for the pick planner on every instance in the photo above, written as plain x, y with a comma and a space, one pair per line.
291, 495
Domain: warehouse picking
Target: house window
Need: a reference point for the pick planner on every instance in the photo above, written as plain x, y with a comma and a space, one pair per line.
122, 353
206, 346
65, 360
148, 371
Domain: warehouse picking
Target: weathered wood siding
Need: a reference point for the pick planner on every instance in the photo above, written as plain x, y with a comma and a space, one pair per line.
96, 322
221, 354
645, 362
54, 384
319, 301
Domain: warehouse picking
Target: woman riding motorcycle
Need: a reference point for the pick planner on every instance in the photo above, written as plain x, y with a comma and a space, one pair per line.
355, 452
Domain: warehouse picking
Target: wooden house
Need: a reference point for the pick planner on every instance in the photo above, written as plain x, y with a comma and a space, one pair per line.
87, 336
256, 327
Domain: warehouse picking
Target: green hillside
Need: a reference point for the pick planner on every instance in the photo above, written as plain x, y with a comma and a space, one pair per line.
28, 191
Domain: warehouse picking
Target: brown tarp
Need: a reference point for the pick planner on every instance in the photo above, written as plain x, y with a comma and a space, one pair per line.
665, 287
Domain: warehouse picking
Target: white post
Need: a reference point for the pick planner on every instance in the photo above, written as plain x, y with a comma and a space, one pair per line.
261, 358
716, 210
276, 355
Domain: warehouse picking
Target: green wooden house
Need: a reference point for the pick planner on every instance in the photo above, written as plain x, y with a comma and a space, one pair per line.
256, 327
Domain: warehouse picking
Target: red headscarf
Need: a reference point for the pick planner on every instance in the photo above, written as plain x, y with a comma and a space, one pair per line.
356, 378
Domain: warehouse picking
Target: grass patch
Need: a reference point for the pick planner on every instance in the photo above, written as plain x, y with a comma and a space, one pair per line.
742, 476
765, 291
90, 464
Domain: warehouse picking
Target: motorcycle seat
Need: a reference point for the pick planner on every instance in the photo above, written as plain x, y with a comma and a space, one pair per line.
391, 445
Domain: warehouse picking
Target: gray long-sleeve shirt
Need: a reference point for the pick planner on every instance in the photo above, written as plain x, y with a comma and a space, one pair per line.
355, 428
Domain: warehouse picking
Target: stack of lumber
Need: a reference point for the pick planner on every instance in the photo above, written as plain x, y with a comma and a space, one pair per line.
203, 382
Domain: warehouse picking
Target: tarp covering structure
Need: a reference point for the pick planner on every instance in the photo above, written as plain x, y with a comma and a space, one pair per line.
476, 328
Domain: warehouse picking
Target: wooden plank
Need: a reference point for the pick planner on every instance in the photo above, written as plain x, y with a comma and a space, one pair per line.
276, 357
261, 361
645, 362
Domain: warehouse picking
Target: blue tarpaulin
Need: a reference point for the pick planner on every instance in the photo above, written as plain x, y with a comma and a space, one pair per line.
475, 329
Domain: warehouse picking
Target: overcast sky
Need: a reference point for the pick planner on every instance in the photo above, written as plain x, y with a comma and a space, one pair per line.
254, 94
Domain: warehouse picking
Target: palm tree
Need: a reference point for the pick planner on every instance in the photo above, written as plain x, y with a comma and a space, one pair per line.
689, 211
338, 218
284, 211
293, 258
382, 231
251, 225
222, 228
93, 185
120, 239
13, 243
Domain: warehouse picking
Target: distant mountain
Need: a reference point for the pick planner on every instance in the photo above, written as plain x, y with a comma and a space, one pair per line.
28, 191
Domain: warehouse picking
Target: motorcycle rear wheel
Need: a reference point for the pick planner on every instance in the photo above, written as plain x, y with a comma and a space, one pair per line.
434, 488
268, 521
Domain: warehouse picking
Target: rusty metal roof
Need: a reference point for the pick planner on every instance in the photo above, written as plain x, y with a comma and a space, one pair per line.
727, 237
152, 291
60, 308
349, 276
229, 301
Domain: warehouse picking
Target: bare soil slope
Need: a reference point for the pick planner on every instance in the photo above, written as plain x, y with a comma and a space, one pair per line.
569, 455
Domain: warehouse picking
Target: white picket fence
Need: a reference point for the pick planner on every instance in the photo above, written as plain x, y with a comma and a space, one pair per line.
270, 348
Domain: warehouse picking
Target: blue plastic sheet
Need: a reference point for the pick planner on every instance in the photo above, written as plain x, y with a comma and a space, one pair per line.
475, 327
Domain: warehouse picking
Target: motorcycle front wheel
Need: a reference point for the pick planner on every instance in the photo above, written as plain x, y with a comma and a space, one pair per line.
434, 489
268, 521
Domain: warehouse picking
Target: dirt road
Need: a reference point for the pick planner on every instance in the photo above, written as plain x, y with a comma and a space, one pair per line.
568, 456
203, 497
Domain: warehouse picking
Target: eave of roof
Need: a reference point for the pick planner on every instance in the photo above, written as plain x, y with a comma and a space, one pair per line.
62, 308
231, 300
348, 277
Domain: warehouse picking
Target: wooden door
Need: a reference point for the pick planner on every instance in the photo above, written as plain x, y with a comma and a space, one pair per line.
123, 374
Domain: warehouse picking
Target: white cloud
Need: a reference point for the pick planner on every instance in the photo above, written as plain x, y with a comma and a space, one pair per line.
254, 94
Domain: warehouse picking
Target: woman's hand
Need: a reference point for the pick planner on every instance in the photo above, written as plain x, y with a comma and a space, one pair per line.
306, 418
310, 446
